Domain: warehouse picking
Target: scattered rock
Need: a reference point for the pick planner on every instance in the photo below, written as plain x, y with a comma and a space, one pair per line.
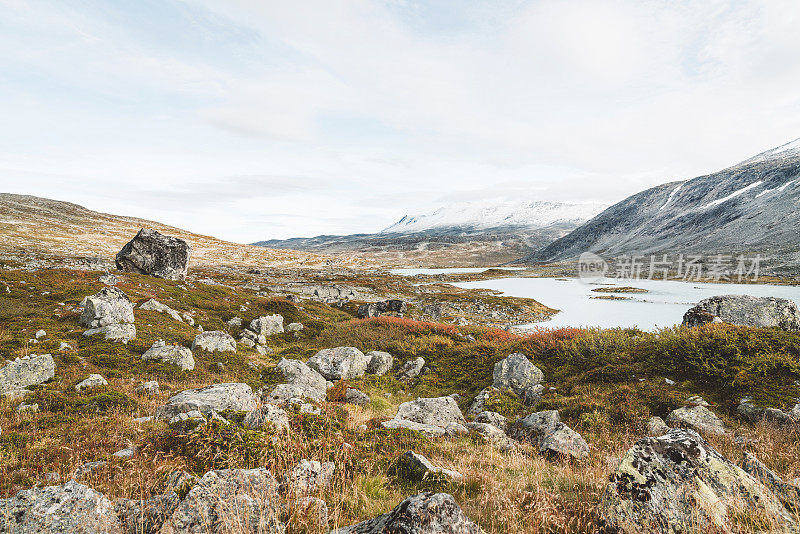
788, 494
229, 500
40, 334
294, 327
181, 357
64, 347
150, 388
71, 507
759, 312
154, 305
492, 418
216, 397
88, 468
300, 375
479, 403
121, 333
109, 306
425, 513
91, 382
518, 374
309, 476
380, 362
262, 327
214, 341
436, 411
146, 516
354, 396
545, 431
698, 418
679, 483
657, 427
411, 369
375, 309
235, 321
415, 467
340, 363
150, 252
267, 416
128, 452
108, 279
311, 512
27, 371
26, 409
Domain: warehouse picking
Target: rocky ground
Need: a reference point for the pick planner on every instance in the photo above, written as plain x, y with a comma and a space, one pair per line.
253, 399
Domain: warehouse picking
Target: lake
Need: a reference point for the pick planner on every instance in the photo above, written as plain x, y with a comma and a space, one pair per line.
663, 305
453, 270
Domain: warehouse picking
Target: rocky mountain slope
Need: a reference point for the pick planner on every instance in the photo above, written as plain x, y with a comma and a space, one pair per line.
34, 227
749, 208
464, 234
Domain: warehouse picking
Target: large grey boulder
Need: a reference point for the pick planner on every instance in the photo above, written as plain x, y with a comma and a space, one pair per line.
153, 253
435, 411
181, 357
216, 397
340, 363
379, 362
376, 309
148, 515
545, 431
518, 374
229, 500
108, 306
679, 483
214, 341
697, 418
70, 507
121, 333
27, 371
267, 416
425, 513
261, 327
411, 369
299, 374
761, 312
289, 393
416, 467
432, 431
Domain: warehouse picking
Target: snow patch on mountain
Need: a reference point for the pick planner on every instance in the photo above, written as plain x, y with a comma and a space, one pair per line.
732, 195
485, 215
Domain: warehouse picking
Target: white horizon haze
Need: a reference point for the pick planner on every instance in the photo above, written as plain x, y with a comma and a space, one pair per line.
252, 120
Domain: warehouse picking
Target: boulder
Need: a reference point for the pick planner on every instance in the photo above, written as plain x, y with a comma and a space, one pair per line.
415, 467
492, 418
493, 435
181, 357
91, 382
121, 333
379, 362
425, 513
216, 397
340, 363
289, 393
148, 515
656, 427
479, 403
180, 482
153, 253
299, 374
267, 416
260, 328
518, 374
294, 327
788, 494
375, 309
106, 307
698, 418
411, 369
760, 312
545, 431
309, 476
70, 507
355, 396
27, 371
436, 411
214, 341
154, 305
229, 500
149, 388
679, 483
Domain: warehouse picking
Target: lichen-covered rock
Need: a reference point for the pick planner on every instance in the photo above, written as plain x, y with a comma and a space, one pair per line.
355, 396
108, 306
294, 327
309, 476
679, 483
154, 305
518, 374
788, 494
479, 403
181, 357
376, 309
425, 513
91, 382
70, 507
760, 312
153, 253
411, 369
27, 371
146, 516
267, 416
299, 374
380, 362
415, 467
311, 513
545, 431
216, 397
262, 327
436, 411
229, 500
697, 418
289, 393
121, 333
656, 427
214, 341
340, 363
149, 388
493, 435
492, 418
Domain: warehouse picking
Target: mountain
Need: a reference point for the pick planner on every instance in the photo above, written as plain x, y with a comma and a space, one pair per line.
460, 235
749, 208
40, 228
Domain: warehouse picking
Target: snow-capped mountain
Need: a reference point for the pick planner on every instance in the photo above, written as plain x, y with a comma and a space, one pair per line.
491, 215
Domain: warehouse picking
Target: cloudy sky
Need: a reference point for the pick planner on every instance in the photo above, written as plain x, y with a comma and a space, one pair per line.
254, 119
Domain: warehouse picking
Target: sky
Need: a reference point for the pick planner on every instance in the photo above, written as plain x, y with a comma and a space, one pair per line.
259, 119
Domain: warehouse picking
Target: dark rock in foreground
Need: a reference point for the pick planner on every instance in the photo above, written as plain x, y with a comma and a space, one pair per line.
376, 309
150, 252
744, 310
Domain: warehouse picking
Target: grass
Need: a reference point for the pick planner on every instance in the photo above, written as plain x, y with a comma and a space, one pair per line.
605, 384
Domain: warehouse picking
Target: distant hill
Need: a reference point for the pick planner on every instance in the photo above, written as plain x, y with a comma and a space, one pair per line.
40, 227
463, 234
752, 207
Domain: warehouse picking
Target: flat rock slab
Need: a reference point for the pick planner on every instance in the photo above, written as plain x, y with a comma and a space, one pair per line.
27, 371
181, 357
340, 363
214, 341
436, 411
216, 397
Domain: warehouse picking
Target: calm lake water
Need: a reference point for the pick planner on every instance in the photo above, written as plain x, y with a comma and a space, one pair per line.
454, 270
663, 305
